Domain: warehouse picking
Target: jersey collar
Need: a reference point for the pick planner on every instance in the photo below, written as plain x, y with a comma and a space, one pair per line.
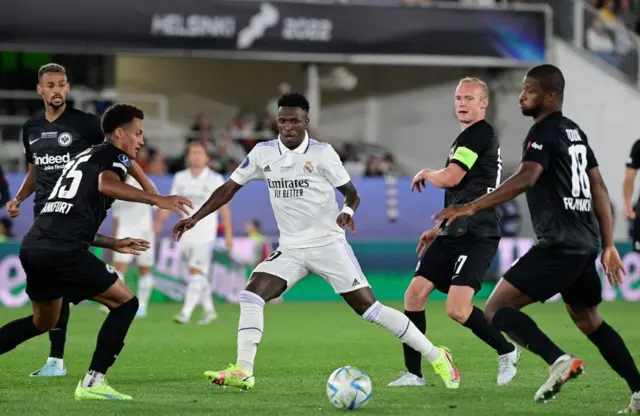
302, 149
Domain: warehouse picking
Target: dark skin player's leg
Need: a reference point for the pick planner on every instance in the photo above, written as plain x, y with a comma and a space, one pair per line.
267, 286
360, 300
118, 294
46, 314
505, 295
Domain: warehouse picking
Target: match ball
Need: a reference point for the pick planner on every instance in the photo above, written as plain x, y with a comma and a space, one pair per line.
349, 388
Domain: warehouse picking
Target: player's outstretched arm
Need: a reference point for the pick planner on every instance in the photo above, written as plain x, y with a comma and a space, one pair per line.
122, 245
109, 184
139, 175
26, 189
443, 178
526, 176
218, 198
221, 196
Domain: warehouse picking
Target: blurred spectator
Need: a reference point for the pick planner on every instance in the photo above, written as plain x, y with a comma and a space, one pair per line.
157, 164
5, 229
252, 228
600, 41
373, 167
201, 130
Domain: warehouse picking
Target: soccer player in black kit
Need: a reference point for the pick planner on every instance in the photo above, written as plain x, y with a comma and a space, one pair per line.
52, 137
456, 257
630, 210
54, 253
571, 216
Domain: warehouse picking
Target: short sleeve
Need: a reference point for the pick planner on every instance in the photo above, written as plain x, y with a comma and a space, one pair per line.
536, 148
119, 164
94, 134
28, 155
249, 170
471, 145
332, 168
634, 157
592, 162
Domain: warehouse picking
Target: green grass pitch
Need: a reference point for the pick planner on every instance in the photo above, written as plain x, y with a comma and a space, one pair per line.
162, 366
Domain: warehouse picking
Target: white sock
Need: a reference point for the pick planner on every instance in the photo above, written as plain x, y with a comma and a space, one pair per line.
249, 328
92, 379
206, 300
192, 294
59, 362
145, 287
399, 325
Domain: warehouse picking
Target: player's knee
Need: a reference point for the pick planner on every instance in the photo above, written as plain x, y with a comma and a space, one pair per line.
459, 313
130, 307
416, 294
44, 323
587, 320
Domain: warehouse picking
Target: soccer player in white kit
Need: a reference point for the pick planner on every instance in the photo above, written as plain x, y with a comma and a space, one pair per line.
132, 219
198, 182
301, 174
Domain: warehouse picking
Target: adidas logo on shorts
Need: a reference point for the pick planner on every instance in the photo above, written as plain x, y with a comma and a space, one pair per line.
355, 283
267, 168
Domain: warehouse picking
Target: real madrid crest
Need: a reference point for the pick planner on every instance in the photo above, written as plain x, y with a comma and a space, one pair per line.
308, 167
65, 139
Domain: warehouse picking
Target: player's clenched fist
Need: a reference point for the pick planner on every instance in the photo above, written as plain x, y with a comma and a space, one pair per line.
13, 208
346, 221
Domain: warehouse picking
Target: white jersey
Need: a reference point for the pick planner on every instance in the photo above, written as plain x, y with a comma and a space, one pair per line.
301, 188
198, 189
132, 216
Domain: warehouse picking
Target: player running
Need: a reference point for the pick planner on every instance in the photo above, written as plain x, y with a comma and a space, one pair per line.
301, 174
456, 261
630, 210
131, 219
560, 175
196, 249
51, 138
54, 254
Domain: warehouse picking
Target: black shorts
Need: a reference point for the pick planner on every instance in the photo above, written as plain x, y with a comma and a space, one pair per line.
76, 275
544, 272
458, 261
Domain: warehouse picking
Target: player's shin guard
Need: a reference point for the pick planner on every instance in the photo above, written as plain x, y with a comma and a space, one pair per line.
206, 300
412, 358
616, 353
58, 335
192, 295
400, 326
487, 333
525, 330
250, 328
112, 334
145, 287
16, 332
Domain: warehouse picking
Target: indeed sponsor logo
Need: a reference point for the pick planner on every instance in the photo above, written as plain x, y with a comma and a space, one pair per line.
51, 162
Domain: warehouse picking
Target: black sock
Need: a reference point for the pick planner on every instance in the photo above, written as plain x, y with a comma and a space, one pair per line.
487, 333
412, 358
615, 352
112, 334
16, 332
58, 335
512, 321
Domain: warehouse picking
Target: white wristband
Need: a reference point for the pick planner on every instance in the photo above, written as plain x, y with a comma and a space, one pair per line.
347, 210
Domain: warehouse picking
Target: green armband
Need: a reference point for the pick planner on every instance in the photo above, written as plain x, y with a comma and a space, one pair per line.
466, 156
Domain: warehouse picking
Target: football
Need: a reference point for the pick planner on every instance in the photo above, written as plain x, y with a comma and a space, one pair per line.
349, 388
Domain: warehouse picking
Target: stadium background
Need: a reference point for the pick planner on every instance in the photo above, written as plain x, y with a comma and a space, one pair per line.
211, 71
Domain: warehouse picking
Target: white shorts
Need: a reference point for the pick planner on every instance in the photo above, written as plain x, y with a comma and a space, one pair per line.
335, 263
196, 255
147, 258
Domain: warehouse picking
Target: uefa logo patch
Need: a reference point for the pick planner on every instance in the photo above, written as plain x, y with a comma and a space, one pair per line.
65, 139
124, 159
245, 163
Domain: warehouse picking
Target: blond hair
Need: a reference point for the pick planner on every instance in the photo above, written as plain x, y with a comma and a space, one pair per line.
479, 82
